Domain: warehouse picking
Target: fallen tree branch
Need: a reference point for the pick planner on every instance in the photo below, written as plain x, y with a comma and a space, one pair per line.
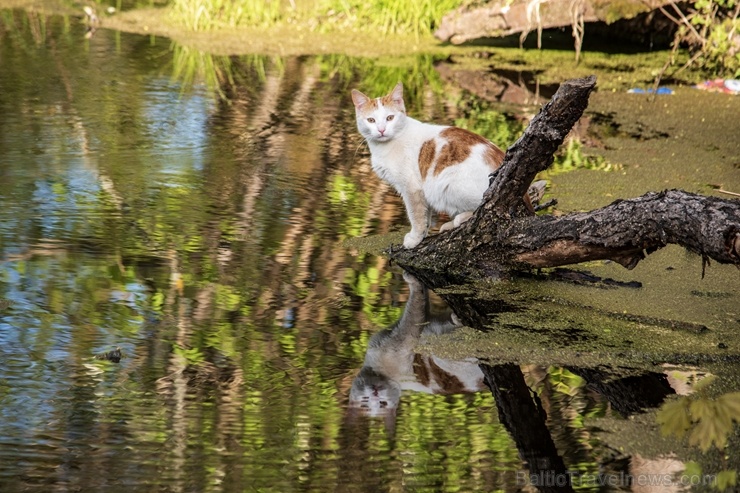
502, 236
534, 150
627, 230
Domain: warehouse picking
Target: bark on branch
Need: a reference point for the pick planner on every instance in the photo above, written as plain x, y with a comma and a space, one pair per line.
535, 149
501, 236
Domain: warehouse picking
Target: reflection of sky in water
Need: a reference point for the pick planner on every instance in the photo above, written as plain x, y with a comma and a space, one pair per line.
41, 332
54, 194
177, 121
66, 169
57, 203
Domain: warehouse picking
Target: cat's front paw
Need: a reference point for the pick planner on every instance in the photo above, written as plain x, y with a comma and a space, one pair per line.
447, 226
411, 240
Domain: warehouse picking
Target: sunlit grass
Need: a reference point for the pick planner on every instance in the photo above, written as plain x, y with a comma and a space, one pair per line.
204, 15
416, 17
382, 17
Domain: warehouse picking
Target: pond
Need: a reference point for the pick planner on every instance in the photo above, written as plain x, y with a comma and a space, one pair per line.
182, 307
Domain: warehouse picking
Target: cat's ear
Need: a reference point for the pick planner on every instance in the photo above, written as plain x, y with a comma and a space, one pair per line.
396, 96
358, 98
397, 92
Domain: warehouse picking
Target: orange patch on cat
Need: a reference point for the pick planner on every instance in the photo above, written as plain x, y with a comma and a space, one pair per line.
426, 157
427, 370
369, 106
389, 102
458, 147
462, 136
493, 156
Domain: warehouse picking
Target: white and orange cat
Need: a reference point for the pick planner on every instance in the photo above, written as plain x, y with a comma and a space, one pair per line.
392, 363
433, 167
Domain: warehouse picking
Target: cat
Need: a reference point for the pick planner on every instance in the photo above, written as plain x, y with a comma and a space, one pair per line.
433, 167
392, 365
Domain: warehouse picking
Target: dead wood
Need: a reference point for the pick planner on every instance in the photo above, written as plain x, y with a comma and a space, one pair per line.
505, 18
502, 236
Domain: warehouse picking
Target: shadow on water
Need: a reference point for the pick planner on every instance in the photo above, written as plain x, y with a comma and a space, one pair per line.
181, 312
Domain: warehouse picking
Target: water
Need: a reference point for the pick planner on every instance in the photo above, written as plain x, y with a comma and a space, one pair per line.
205, 240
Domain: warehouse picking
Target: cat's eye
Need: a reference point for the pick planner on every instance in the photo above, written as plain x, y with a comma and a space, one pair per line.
389, 118
371, 120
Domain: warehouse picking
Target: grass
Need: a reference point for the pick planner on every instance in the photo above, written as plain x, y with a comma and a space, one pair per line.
417, 17
205, 15
379, 17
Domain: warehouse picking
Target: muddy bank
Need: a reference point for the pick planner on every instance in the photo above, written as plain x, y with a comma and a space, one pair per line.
688, 141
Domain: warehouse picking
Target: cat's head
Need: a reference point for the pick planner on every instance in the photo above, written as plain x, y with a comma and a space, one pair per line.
374, 394
380, 119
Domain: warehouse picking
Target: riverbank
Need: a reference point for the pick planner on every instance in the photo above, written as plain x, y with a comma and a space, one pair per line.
278, 40
553, 64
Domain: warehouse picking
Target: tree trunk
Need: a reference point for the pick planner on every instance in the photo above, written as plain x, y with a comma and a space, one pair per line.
505, 18
503, 236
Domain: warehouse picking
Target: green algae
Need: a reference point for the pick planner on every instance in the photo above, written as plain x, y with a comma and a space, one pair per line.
374, 244
638, 435
686, 141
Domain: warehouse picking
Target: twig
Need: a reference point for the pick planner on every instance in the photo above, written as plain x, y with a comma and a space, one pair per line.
689, 63
665, 13
671, 60
687, 22
734, 194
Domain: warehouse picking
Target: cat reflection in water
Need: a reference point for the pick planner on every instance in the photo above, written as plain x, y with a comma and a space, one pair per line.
433, 167
392, 365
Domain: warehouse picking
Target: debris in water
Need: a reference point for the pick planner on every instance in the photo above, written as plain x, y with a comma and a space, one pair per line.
114, 356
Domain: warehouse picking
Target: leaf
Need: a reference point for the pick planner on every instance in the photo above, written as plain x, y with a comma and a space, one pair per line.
701, 409
731, 402
692, 469
673, 417
704, 382
723, 414
725, 479
710, 430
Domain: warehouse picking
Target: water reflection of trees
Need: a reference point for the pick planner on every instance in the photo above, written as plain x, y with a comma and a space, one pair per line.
214, 259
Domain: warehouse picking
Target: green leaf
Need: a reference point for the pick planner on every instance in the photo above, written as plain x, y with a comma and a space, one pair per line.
710, 430
673, 417
725, 479
701, 409
731, 402
704, 382
692, 469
